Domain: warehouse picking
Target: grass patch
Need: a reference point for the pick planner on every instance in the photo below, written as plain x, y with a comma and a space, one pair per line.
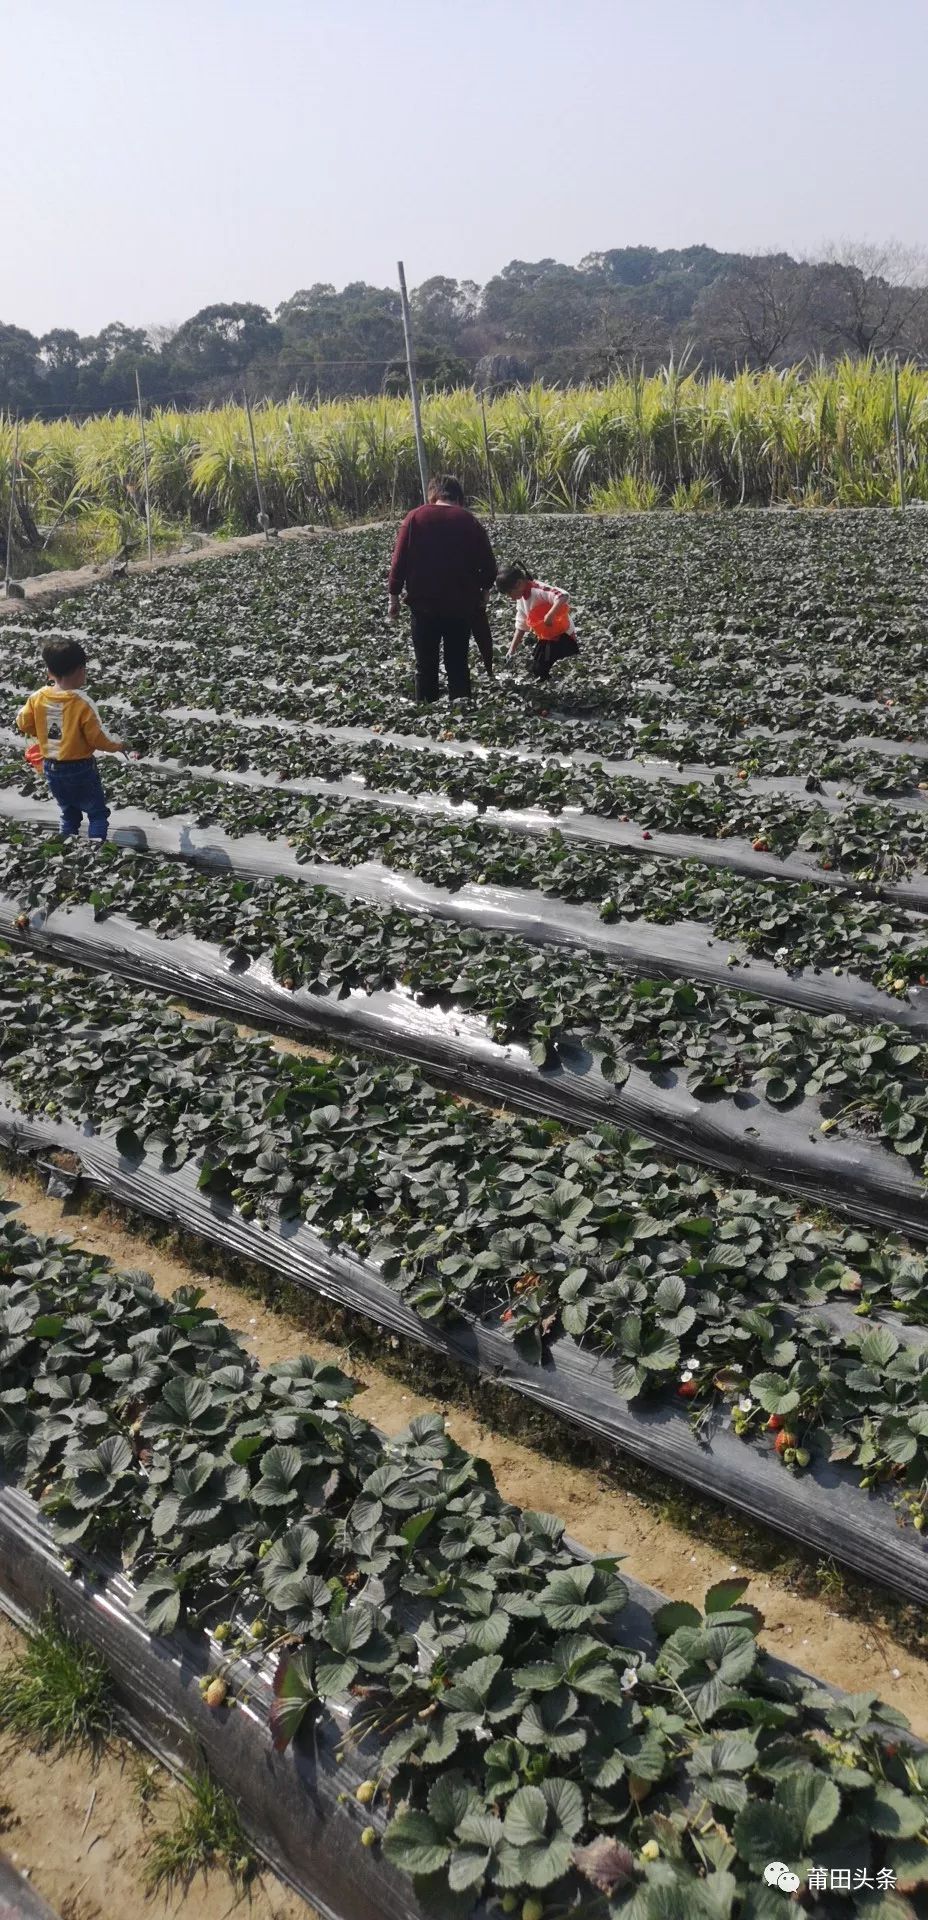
56, 1692
205, 1832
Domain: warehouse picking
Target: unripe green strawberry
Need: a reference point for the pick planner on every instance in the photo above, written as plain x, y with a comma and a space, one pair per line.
366, 1791
650, 1850
216, 1692
369, 1837
533, 1909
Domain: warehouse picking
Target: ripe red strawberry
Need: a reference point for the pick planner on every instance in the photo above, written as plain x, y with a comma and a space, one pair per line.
687, 1389
646, 835
761, 845
775, 1423
784, 1440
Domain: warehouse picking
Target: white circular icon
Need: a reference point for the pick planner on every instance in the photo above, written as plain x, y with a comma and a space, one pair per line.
777, 1874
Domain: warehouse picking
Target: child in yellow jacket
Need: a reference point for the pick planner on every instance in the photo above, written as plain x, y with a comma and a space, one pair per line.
63, 720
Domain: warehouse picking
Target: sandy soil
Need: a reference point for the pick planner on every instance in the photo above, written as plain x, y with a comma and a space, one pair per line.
604, 1517
88, 1859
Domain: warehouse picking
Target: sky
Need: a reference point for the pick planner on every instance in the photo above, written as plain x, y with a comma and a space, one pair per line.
159, 155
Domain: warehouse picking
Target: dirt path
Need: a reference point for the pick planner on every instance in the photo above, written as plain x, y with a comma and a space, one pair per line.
93, 1868
604, 1517
45, 588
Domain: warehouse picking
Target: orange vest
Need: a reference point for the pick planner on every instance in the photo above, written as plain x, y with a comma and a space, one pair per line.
548, 623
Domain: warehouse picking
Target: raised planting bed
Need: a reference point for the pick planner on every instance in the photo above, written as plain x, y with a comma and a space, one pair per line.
744, 826
425, 1700
691, 1323
714, 1071
791, 923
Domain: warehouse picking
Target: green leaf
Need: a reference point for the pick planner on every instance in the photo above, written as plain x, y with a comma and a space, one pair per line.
294, 1693
413, 1843
771, 1390
724, 1595
414, 1528
187, 1399
812, 1801
888, 1810
566, 1803
488, 1634
676, 1613
877, 1347
467, 1869
526, 1817
450, 1800
765, 1832
157, 1600
333, 1678
670, 1294
628, 1380
909, 1861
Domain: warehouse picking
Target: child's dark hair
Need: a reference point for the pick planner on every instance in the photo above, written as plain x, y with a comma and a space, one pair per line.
511, 576
63, 656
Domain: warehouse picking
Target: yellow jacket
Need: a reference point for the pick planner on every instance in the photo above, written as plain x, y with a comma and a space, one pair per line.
65, 722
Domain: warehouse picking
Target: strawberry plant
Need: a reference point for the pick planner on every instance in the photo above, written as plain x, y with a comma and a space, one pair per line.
469, 1215
725, 1041
523, 1752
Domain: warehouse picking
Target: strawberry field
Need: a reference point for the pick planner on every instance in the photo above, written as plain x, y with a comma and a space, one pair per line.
617, 999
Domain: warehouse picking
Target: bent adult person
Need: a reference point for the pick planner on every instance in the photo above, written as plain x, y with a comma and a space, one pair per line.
444, 559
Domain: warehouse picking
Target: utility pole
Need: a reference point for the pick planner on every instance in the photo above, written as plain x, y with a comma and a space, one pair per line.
897, 426
263, 517
486, 453
138, 395
8, 584
413, 387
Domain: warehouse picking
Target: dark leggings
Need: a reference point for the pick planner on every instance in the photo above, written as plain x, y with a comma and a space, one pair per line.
432, 635
545, 652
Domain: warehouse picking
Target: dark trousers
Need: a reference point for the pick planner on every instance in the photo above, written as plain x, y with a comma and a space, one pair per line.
78, 789
545, 652
432, 635
483, 638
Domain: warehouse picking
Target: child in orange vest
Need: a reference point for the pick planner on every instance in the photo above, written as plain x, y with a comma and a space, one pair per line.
544, 612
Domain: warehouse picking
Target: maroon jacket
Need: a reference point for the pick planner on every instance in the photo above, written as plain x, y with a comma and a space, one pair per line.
444, 559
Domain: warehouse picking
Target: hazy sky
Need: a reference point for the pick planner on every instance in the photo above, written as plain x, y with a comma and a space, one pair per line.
158, 155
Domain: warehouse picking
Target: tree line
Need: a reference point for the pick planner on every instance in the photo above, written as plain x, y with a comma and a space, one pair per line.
533, 320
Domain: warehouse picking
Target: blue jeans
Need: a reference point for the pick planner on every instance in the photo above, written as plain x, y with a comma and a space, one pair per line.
78, 789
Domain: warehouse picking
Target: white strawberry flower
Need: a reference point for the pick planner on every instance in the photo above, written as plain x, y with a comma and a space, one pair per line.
745, 1403
629, 1680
